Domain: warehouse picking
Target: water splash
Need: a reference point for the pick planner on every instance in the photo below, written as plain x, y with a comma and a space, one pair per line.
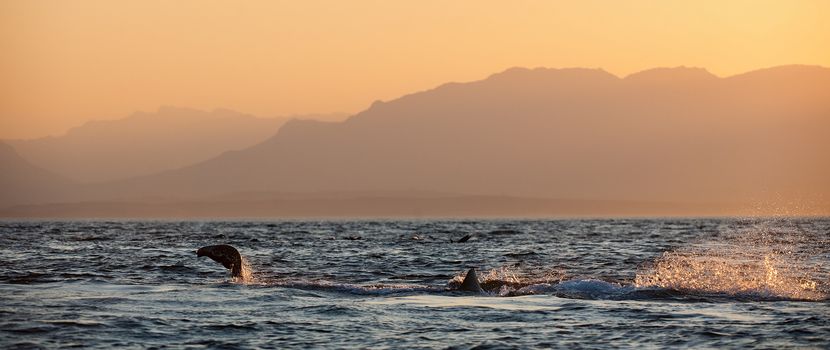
247, 273
768, 261
510, 281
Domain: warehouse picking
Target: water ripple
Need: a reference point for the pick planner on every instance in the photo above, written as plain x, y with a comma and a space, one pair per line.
616, 283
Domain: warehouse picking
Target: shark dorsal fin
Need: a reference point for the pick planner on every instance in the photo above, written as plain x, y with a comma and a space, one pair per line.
470, 283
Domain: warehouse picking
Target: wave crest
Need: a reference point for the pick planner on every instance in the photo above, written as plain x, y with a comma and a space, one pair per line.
759, 263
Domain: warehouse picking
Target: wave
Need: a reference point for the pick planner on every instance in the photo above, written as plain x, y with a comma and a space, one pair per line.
375, 289
669, 278
766, 278
505, 282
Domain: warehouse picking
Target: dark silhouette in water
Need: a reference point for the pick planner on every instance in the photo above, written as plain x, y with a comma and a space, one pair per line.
224, 254
470, 283
465, 239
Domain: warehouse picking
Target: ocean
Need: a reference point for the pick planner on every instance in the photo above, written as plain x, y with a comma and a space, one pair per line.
586, 283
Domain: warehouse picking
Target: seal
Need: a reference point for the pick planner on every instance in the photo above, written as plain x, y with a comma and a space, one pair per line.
224, 254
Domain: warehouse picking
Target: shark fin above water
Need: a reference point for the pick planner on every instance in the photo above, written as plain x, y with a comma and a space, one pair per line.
470, 283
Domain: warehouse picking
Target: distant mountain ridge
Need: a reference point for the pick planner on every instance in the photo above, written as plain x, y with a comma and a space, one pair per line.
22, 182
664, 135
146, 143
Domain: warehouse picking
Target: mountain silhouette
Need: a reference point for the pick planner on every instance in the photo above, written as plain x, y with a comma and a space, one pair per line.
22, 182
679, 135
145, 143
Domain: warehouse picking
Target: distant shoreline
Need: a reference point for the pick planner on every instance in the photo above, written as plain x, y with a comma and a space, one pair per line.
393, 208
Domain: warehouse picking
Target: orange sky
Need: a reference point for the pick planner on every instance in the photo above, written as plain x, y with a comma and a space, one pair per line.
66, 62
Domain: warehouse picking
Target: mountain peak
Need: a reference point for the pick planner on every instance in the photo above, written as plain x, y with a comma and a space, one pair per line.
145, 142
674, 74
785, 71
549, 73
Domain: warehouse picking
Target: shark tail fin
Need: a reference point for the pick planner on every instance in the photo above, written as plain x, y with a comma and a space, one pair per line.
224, 254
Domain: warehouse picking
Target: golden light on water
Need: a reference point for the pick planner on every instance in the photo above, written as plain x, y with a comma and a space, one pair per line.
752, 263
247, 275
769, 277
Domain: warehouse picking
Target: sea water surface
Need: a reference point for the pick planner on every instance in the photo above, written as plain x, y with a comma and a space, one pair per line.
613, 283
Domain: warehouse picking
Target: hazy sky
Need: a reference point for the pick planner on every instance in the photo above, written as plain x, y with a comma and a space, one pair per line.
66, 62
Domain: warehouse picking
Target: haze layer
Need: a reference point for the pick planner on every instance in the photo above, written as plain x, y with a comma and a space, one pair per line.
679, 135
